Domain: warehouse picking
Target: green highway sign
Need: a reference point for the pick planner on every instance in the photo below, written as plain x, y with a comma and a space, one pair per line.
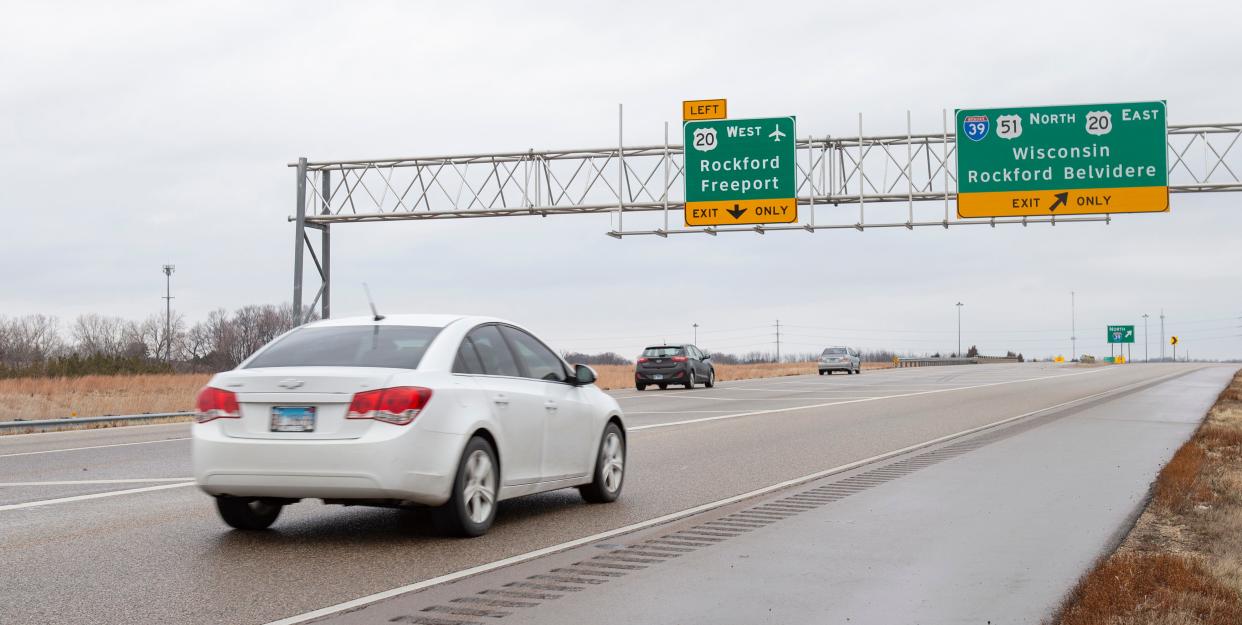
1058, 160
1120, 334
740, 171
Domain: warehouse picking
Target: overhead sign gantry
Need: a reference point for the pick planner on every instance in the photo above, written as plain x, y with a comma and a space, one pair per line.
1062, 160
891, 181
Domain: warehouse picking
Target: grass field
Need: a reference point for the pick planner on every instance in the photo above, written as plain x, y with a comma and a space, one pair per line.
98, 395
1182, 561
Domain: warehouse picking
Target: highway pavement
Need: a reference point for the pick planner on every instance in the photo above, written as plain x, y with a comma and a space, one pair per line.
101, 526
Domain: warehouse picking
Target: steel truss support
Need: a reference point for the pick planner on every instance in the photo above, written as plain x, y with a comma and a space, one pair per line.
302, 246
897, 181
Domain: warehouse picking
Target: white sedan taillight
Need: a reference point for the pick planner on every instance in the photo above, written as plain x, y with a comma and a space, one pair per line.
398, 405
216, 403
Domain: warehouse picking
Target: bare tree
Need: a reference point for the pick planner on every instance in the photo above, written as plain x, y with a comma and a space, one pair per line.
98, 334
198, 342
155, 336
254, 327
6, 339
134, 346
30, 340
220, 341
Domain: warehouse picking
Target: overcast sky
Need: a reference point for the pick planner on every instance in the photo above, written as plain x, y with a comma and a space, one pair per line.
135, 135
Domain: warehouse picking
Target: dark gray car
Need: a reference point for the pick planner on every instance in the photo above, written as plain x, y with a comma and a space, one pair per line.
662, 365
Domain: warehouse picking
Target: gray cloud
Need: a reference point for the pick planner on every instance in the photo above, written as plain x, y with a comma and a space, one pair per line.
139, 134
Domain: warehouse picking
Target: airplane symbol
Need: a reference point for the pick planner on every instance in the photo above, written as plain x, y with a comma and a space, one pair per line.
776, 134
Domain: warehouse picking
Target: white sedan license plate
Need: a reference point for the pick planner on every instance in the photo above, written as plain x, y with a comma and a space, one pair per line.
658, 376
293, 418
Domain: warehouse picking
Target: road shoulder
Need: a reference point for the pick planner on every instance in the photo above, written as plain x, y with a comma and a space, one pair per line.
993, 527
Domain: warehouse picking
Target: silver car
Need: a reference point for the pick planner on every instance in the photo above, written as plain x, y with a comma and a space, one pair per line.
840, 359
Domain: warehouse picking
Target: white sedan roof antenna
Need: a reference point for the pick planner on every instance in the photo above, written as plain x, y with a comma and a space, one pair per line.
371, 301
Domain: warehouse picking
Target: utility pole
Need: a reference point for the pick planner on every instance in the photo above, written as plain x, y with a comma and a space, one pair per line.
696, 335
168, 272
1145, 358
1161, 335
1073, 329
778, 340
959, 329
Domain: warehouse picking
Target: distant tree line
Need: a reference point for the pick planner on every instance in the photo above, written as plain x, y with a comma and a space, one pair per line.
606, 358
874, 355
38, 345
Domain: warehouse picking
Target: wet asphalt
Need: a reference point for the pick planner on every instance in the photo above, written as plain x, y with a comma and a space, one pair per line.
163, 556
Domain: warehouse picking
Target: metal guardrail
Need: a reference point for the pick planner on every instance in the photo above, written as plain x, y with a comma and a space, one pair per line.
43, 424
935, 362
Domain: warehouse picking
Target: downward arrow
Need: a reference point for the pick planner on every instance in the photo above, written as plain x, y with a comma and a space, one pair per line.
1062, 198
736, 212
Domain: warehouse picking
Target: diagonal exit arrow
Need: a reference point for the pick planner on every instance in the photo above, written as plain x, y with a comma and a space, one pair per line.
736, 212
1062, 198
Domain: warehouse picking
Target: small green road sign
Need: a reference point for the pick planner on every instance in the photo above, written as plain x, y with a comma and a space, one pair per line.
1120, 334
1059, 160
740, 171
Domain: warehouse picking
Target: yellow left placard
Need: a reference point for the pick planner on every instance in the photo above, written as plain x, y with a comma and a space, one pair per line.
692, 110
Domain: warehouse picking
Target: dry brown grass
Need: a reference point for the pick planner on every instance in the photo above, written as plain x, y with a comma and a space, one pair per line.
1180, 483
1181, 564
97, 395
622, 376
1132, 588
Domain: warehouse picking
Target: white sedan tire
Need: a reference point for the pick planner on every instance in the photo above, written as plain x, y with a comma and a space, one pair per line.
471, 509
609, 474
246, 513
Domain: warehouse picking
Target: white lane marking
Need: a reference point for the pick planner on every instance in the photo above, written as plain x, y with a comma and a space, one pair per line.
757, 398
78, 482
850, 389
833, 397
56, 451
846, 401
531, 555
672, 411
111, 493
685, 396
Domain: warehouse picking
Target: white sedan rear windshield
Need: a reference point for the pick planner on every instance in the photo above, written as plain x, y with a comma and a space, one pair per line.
399, 347
834, 351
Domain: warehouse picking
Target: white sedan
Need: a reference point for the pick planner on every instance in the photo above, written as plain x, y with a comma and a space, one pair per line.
447, 411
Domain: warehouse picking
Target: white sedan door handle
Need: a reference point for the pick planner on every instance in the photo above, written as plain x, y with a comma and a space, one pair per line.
550, 405
501, 400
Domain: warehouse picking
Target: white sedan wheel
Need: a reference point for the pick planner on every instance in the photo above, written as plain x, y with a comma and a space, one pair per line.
479, 491
614, 462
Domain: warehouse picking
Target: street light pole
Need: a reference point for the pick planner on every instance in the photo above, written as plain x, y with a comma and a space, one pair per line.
1145, 358
696, 335
959, 329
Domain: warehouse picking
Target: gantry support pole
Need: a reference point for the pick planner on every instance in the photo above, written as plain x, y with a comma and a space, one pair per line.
299, 232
